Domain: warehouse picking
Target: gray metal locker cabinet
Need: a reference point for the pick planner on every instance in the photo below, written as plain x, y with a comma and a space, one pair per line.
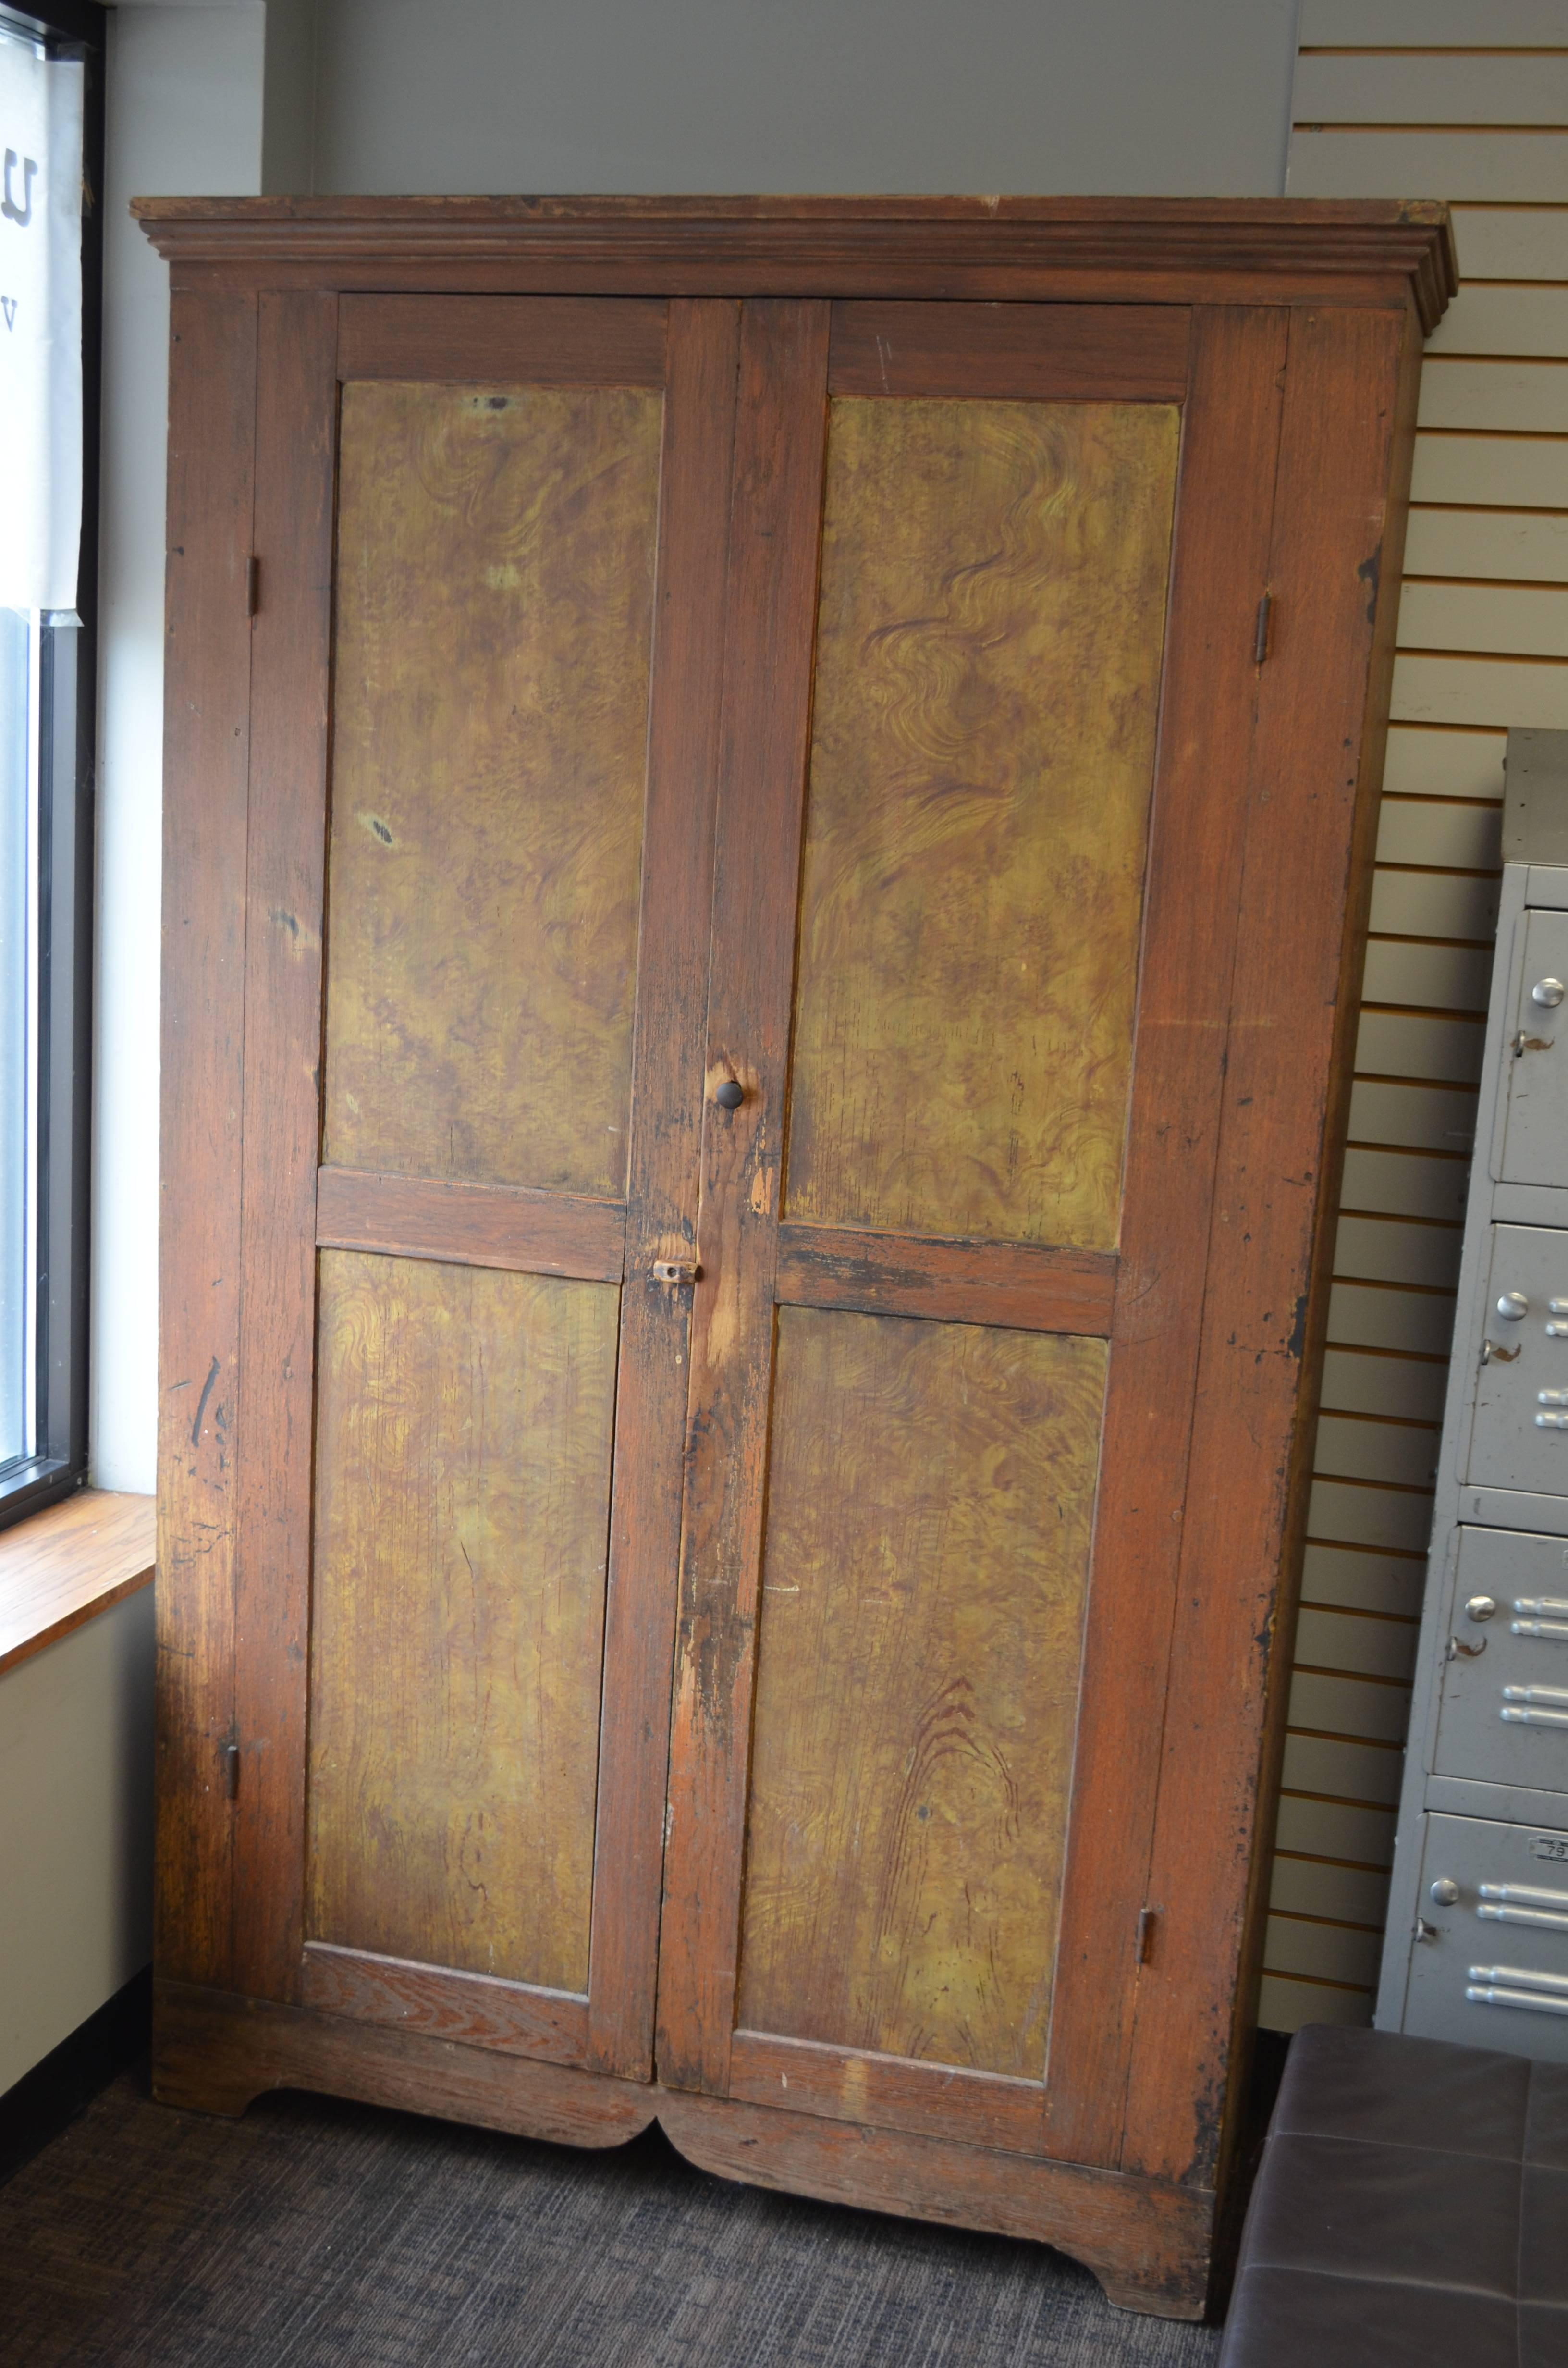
1477, 1946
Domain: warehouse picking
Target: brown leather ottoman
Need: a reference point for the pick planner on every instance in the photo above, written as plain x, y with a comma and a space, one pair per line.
1411, 2207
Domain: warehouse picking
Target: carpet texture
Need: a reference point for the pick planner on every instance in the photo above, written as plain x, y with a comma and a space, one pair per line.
313, 2231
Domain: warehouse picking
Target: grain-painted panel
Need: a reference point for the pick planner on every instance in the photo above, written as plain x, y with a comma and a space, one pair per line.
1419, 1044
1360, 1381
463, 1448
1321, 1952
1516, 321
1509, 397
1364, 1515
1512, 243
1434, 904
1391, 1249
1368, 1647
989, 638
1491, 164
929, 1508
1509, 548
1364, 1581
1481, 690
1422, 763
1377, 1316
1531, 622
1363, 1772
1450, 978
1431, 25
494, 608
1285, 2005
1357, 1447
1496, 472
1359, 88
1335, 1829
1349, 1894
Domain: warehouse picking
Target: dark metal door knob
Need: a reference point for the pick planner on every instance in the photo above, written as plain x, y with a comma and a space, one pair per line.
729, 1095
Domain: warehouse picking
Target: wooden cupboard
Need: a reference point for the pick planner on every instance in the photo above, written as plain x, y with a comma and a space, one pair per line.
769, 813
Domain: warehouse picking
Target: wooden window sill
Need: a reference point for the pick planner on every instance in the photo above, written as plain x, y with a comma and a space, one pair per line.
62, 1566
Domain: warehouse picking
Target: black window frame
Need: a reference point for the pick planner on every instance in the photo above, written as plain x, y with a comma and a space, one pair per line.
67, 749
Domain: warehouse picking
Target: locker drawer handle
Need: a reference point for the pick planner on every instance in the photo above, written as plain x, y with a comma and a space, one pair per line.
1539, 1917
1526, 1975
1553, 1628
1516, 1998
1533, 1894
1534, 1717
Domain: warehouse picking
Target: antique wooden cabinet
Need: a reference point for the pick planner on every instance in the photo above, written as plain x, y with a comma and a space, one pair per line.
769, 813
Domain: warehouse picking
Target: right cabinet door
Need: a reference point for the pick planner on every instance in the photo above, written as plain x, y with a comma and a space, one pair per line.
996, 865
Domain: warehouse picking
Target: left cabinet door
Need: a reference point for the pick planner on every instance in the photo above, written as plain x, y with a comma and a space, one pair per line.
440, 862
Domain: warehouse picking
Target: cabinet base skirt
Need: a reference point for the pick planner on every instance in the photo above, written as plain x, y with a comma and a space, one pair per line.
1147, 2241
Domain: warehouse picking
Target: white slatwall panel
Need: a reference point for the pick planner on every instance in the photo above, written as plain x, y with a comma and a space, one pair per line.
1467, 101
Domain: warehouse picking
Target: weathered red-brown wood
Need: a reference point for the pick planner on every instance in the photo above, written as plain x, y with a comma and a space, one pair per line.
515, 2017
774, 529
1305, 880
1224, 505
218, 2051
662, 1185
509, 1226
897, 2092
206, 755
1146, 2242
296, 411
1119, 250
1036, 1288
536, 341
1096, 353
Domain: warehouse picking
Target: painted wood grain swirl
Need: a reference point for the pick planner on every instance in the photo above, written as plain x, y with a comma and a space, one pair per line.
463, 1455
929, 1508
988, 661
494, 606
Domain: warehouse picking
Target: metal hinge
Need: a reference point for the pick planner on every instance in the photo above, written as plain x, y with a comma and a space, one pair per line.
1260, 629
229, 1759
253, 585
1147, 1920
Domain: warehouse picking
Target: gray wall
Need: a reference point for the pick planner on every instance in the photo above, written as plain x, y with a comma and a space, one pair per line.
1115, 96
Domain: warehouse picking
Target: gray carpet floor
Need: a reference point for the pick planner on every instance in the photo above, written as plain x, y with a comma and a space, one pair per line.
313, 2231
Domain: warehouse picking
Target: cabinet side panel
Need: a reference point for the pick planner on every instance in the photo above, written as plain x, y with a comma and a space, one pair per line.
1314, 780
296, 404
205, 753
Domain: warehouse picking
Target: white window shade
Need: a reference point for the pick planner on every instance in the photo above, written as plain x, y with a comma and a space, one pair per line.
40, 328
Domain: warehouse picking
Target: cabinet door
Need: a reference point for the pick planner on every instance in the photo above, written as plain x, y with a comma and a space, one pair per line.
1009, 971
475, 968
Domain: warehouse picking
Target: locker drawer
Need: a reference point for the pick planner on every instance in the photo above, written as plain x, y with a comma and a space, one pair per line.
1535, 1123
1502, 1711
1519, 1437
1492, 1970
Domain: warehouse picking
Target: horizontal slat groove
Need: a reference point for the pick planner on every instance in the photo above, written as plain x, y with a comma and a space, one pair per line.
509, 1226
1018, 1284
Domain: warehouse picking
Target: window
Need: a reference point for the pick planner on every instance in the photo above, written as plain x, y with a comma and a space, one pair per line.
51, 161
